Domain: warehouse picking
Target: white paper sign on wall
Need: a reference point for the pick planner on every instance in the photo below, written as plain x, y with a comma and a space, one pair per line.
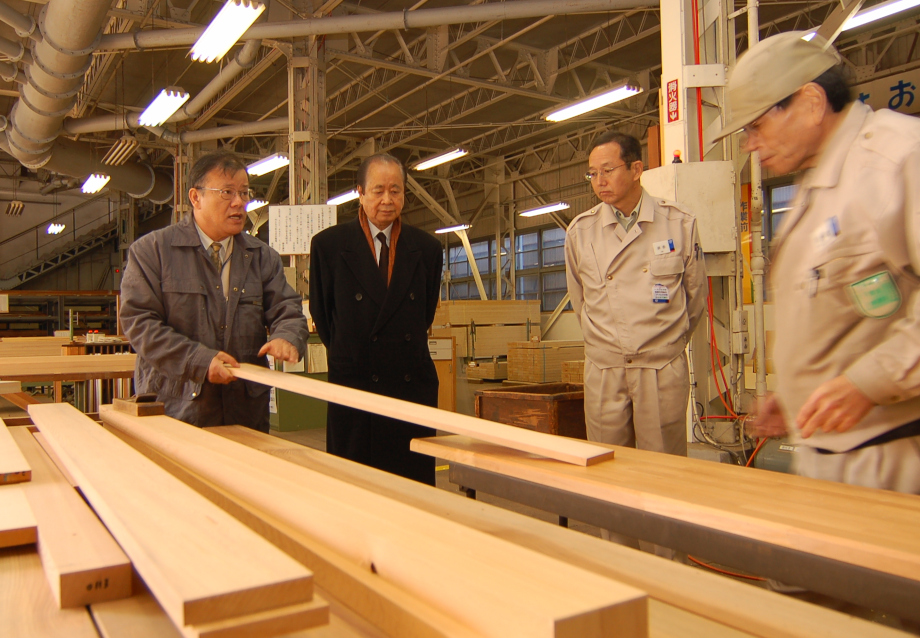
292, 227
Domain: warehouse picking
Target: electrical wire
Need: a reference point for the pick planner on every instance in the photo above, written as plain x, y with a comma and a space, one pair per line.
754, 453
724, 571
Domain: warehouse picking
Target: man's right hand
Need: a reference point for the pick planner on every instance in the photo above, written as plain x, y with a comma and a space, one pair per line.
217, 371
768, 420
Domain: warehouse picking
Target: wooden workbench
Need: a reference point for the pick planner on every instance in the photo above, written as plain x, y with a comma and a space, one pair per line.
73, 368
849, 542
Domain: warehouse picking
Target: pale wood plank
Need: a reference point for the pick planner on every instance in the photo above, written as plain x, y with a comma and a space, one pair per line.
554, 447
199, 562
494, 587
82, 562
10, 387
27, 608
62, 366
51, 454
21, 400
17, 523
717, 604
876, 529
266, 623
13, 466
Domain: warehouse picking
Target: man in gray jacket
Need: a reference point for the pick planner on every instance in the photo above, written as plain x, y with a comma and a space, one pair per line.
201, 294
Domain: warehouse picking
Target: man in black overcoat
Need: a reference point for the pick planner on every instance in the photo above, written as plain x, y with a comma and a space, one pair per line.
374, 286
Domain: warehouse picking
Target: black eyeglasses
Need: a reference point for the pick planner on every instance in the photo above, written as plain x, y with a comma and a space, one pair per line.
228, 193
606, 172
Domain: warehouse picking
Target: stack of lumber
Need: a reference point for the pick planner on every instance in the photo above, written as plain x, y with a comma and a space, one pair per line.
483, 328
573, 371
541, 361
211, 575
32, 346
89, 366
488, 370
407, 571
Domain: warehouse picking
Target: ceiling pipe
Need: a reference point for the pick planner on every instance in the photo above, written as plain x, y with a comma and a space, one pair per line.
70, 33
15, 51
419, 18
23, 24
221, 132
127, 121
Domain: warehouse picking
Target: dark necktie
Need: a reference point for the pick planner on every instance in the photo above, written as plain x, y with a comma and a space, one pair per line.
215, 255
383, 264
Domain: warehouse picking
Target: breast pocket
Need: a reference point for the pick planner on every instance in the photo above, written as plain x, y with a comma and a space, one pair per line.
666, 265
186, 305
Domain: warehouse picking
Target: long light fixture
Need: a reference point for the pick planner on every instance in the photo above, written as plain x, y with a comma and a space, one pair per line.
55, 229
225, 29
255, 204
543, 210
595, 102
121, 151
443, 158
452, 229
15, 208
95, 182
872, 14
268, 164
344, 197
163, 106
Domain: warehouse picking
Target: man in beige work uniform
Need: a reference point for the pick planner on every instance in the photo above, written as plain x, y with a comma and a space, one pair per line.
635, 275
845, 270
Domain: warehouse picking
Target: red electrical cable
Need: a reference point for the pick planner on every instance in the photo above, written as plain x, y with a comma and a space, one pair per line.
724, 571
715, 360
695, 8
754, 453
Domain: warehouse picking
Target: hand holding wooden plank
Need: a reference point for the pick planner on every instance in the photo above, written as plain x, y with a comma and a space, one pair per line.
548, 445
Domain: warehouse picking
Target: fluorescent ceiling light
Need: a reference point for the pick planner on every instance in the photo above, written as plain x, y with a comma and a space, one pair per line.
589, 104
225, 29
268, 164
163, 106
121, 151
255, 203
443, 158
344, 197
55, 229
95, 182
15, 208
877, 12
452, 229
543, 210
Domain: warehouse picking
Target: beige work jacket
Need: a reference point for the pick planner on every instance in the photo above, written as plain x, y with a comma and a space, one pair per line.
844, 275
638, 294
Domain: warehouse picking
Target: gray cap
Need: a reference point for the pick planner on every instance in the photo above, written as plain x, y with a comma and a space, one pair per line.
771, 71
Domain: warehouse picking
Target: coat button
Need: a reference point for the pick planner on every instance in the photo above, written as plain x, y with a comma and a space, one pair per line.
609, 277
412, 296
234, 290
629, 361
408, 377
375, 378
359, 297
408, 337
194, 394
645, 270
374, 338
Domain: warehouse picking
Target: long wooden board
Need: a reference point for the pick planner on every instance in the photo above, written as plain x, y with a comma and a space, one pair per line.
686, 601
27, 368
26, 605
13, 466
875, 529
17, 523
494, 587
553, 447
201, 564
82, 562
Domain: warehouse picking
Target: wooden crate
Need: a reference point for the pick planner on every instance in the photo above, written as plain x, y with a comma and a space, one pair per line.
463, 312
573, 371
554, 408
490, 341
492, 370
541, 361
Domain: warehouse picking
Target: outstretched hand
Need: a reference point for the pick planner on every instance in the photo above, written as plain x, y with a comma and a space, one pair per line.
835, 406
281, 350
217, 371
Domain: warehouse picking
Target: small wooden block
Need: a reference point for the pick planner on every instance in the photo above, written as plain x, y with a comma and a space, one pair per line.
140, 405
17, 523
10, 387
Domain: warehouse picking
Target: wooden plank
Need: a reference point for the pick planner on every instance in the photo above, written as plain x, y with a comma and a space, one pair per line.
199, 562
32, 346
17, 523
494, 370
13, 465
554, 447
686, 601
82, 562
875, 529
541, 362
10, 387
498, 589
66, 368
573, 371
21, 400
26, 605
463, 312
51, 454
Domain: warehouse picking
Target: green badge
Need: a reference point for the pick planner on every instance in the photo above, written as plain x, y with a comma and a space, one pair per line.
877, 296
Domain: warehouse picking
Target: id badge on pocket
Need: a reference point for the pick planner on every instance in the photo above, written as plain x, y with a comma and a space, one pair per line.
875, 297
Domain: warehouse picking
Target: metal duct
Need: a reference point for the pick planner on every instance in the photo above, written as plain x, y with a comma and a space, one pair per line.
24, 25
70, 32
221, 132
419, 18
15, 51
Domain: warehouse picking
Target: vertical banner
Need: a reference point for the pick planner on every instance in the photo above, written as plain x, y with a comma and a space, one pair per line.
747, 248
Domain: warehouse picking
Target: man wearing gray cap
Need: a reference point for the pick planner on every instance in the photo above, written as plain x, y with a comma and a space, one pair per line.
846, 266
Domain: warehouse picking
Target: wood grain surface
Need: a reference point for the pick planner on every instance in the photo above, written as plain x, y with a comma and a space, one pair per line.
13, 465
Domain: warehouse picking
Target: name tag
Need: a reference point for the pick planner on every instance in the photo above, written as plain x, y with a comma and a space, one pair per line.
663, 247
660, 294
825, 235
